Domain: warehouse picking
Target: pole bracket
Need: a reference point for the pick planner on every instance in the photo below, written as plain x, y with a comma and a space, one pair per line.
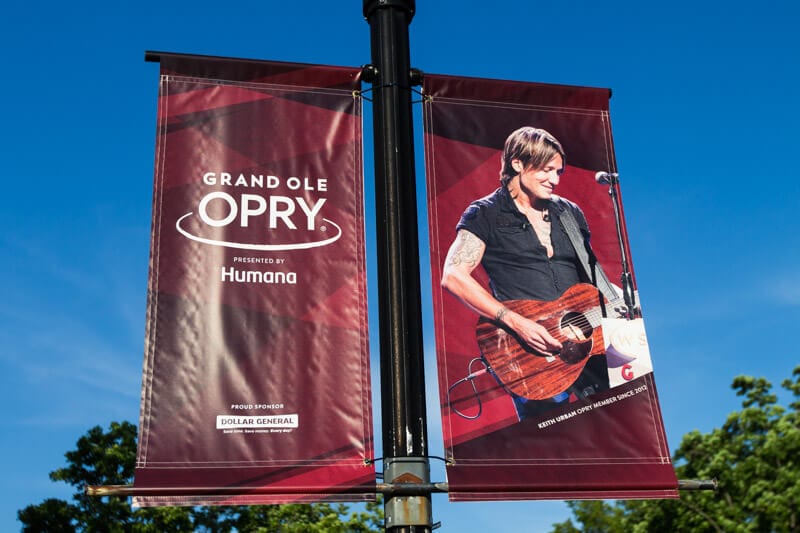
415, 510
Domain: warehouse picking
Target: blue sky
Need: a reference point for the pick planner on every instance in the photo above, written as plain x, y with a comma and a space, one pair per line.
704, 116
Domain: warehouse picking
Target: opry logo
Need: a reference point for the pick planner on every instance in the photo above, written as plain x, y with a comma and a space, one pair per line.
220, 209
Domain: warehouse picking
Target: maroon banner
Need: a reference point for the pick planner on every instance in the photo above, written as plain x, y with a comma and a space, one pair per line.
256, 370
546, 382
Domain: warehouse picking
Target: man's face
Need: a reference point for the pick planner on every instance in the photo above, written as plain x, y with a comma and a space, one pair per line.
539, 183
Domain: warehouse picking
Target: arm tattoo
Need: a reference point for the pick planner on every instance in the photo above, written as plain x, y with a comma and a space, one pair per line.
501, 313
468, 251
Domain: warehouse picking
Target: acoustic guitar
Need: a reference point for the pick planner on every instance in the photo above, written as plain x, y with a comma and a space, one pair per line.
574, 319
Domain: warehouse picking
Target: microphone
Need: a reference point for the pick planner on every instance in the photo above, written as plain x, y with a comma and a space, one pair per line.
605, 178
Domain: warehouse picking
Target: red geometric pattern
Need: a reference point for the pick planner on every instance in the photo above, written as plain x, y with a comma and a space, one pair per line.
257, 319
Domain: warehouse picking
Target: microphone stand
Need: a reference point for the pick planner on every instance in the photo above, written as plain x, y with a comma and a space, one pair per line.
628, 295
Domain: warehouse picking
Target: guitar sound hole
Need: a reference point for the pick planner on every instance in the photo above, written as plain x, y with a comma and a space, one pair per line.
576, 327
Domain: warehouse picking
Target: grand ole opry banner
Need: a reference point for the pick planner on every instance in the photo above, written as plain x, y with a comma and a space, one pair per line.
580, 420
256, 370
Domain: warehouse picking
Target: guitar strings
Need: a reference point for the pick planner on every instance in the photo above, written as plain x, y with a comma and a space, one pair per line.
580, 320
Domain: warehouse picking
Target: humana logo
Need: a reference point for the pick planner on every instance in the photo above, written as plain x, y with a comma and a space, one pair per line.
230, 274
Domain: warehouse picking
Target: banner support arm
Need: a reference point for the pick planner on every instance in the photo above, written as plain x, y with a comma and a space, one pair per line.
389, 489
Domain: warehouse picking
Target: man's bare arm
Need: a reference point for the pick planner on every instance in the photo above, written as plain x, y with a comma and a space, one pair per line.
467, 250
464, 256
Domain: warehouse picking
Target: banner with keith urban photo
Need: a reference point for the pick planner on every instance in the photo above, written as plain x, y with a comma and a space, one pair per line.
546, 382
256, 371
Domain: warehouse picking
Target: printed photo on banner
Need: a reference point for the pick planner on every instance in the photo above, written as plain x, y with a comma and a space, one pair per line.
531, 256
545, 380
541, 330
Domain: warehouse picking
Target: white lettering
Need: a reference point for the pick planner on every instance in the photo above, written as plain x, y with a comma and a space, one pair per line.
275, 213
232, 207
307, 184
311, 213
247, 212
231, 275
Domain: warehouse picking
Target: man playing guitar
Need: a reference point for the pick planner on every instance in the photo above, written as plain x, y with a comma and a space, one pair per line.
517, 235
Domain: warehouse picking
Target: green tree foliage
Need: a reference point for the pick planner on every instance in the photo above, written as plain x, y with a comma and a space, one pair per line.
108, 458
755, 456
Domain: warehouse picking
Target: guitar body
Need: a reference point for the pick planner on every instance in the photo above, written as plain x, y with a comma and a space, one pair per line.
573, 319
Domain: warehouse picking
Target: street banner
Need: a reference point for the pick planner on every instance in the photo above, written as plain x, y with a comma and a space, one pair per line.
256, 368
545, 378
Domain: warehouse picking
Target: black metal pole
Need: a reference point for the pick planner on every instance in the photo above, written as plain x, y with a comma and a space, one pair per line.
402, 374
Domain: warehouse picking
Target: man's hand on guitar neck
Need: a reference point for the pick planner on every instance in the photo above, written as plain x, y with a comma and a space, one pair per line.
532, 333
